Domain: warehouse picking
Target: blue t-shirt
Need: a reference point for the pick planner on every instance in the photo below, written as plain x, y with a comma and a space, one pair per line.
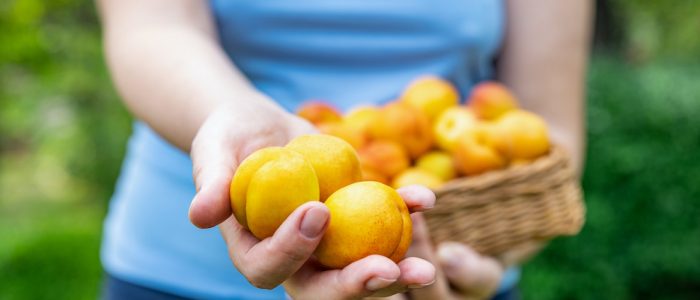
347, 52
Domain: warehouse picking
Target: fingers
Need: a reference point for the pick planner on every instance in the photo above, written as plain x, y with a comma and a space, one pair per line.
359, 279
422, 247
522, 253
469, 272
416, 273
393, 297
417, 197
268, 263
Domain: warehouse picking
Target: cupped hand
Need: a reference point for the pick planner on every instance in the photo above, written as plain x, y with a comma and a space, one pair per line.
462, 273
371, 276
226, 137
223, 141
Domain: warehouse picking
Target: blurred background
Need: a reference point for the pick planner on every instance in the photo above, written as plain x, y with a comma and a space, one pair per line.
63, 133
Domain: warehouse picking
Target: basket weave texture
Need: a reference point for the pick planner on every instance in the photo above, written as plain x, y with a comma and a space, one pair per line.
503, 210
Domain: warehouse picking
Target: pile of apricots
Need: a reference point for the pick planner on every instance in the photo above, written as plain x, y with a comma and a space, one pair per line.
359, 160
427, 137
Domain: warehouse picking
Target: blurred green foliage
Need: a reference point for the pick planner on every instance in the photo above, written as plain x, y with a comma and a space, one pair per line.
642, 236
63, 133
645, 30
62, 136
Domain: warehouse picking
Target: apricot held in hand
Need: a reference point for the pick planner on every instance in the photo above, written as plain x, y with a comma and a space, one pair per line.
258, 202
366, 218
334, 160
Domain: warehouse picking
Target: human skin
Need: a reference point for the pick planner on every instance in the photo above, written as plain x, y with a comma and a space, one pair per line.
544, 63
172, 73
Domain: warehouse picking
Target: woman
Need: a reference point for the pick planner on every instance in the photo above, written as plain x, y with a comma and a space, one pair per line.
217, 80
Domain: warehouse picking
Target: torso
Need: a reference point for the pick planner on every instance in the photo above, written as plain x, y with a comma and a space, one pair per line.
347, 52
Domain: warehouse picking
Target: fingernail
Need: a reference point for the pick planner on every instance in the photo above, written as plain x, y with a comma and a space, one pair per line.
418, 286
313, 222
378, 283
449, 255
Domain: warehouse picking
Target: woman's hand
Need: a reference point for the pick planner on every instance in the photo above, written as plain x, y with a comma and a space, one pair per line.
462, 273
229, 135
371, 276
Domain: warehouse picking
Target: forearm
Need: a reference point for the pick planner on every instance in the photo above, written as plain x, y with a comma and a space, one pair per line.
170, 69
544, 61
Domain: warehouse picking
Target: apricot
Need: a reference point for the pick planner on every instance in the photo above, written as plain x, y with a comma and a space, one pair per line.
386, 157
520, 162
361, 117
334, 160
438, 163
405, 125
357, 139
473, 155
369, 174
366, 218
452, 124
490, 100
430, 95
318, 112
520, 135
256, 198
417, 176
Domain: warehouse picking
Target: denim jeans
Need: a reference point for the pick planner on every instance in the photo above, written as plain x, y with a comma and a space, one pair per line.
117, 289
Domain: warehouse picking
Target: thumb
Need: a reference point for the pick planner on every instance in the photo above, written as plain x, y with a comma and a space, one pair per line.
213, 169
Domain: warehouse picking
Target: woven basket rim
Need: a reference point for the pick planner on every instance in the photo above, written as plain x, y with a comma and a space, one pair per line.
501, 210
556, 155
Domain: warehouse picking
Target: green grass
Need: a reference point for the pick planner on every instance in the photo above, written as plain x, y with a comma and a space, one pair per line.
64, 133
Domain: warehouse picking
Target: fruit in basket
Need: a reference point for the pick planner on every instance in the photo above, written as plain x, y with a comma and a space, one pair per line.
474, 156
520, 134
318, 112
369, 174
257, 201
366, 218
520, 162
385, 157
452, 124
405, 125
438, 163
490, 100
430, 95
355, 138
361, 117
334, 160
417, 176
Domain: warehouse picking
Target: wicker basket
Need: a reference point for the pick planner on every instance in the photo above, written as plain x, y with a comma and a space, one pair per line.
503, 210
